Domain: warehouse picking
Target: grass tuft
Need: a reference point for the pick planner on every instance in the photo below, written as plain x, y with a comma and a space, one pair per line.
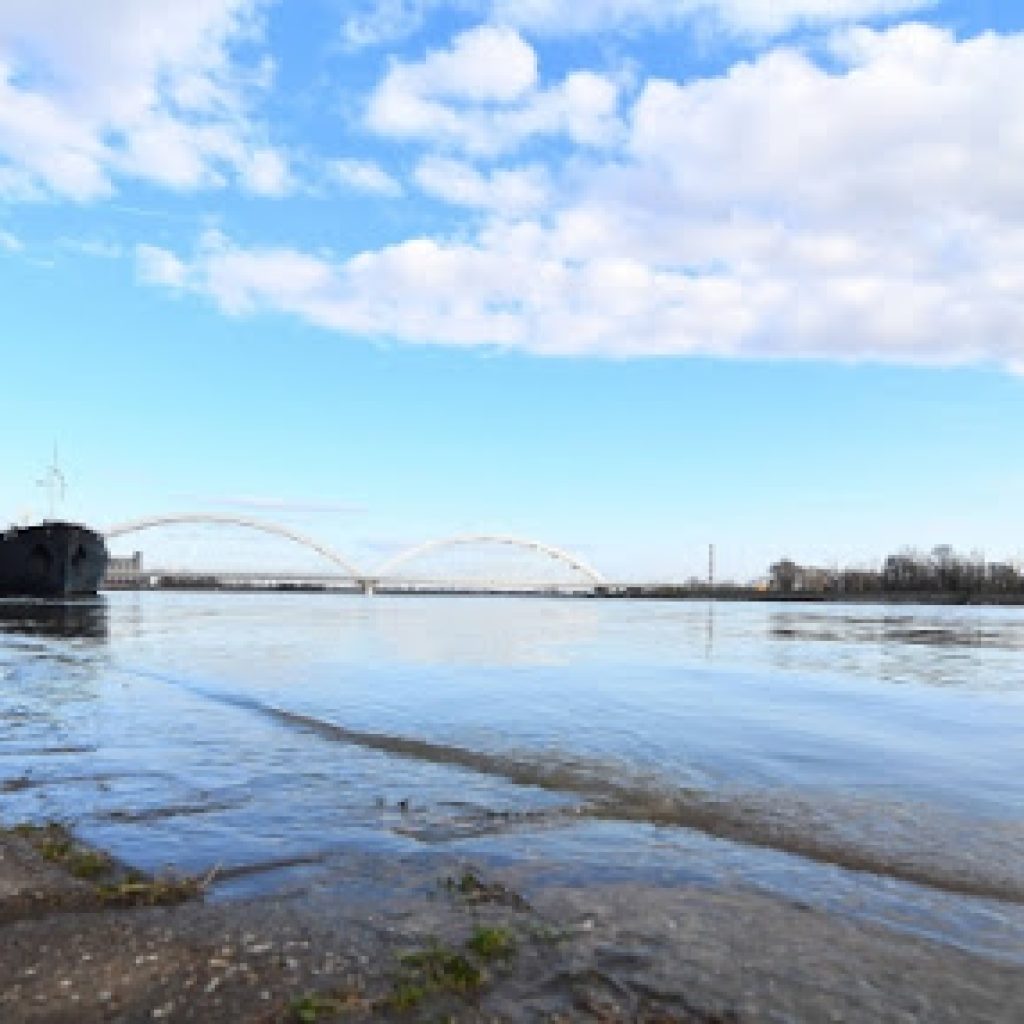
432, 971
317, 1006
444, 969
407, 995
473, 889
492, 943
54, 843
151, 892
112, 884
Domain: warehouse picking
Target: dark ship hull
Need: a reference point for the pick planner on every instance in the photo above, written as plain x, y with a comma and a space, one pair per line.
51, 559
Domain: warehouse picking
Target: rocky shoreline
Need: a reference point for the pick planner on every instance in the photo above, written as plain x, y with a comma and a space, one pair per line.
84, 939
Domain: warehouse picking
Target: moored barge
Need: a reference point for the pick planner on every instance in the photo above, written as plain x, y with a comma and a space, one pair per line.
51, 559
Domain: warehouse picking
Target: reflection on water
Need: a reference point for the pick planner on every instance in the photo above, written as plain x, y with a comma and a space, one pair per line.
483, 632
941, 630
81, 618
51, 653
731, 743
950, 646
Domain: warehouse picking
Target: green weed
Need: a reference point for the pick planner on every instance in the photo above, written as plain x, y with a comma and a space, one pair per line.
492, 943
444, 969
317, 1006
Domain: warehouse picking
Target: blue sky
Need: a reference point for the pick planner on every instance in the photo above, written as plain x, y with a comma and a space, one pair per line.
628, 277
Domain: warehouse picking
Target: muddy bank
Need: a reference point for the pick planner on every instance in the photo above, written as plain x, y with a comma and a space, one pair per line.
423, 939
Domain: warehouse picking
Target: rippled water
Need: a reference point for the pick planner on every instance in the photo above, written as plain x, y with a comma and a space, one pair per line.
864, 759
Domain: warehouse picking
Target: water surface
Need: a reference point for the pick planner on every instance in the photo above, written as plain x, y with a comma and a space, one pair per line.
863, 759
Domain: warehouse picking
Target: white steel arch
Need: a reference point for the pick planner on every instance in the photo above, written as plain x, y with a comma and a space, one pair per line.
558, 554
137, 525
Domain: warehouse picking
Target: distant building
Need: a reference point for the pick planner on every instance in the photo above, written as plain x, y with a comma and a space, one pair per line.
124, 570
786, 577
782, 576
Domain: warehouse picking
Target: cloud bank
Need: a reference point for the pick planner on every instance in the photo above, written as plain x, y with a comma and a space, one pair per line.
757, 17
375, 22
93, 92
482, 97
867, 208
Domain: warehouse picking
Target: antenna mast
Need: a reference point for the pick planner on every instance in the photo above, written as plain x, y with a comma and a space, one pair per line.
54, 482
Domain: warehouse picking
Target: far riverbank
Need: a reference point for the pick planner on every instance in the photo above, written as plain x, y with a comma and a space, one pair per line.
655, 592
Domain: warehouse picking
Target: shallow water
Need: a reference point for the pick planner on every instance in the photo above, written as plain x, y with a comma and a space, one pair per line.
862, 759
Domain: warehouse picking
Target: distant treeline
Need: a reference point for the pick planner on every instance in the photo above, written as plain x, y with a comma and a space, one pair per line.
942, 571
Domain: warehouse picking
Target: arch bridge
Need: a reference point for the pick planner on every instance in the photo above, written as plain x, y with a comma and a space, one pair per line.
244, 522
386, 574
387, 569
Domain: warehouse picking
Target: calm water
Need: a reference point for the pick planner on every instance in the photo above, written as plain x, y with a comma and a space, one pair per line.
864, 759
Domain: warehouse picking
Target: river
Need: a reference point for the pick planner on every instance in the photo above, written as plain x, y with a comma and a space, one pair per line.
864, 760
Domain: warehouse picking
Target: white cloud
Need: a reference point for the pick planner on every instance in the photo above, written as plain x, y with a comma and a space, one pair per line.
917, 124
295, 506
381, 21
375, 22
45, 147
366, 176
760, 17
92, 92
264, 172
507, 192
95, 247
868, 211
487, 63
160, 267
243, 282
482, 96
10, 243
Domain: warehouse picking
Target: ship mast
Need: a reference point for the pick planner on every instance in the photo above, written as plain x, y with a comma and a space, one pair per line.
54, 482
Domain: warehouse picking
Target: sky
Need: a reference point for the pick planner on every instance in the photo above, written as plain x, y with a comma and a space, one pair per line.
628, 277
